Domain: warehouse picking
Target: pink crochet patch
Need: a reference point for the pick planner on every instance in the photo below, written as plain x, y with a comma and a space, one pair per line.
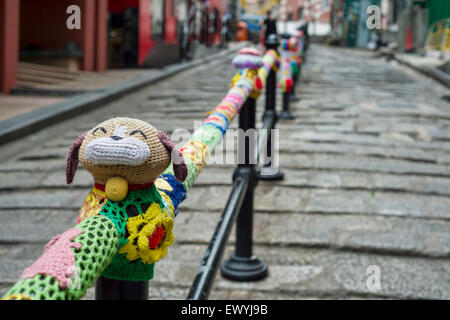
58, 260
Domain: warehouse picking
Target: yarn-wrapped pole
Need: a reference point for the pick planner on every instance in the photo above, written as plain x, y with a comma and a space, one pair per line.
296, 62
71, 262
288, 68
204, 140
289, 64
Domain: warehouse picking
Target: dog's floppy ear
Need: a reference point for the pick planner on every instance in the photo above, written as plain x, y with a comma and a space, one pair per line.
72, 158
179, 166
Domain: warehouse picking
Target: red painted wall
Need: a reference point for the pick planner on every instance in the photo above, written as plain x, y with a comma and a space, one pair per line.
146, 42
9, 44
118, 6
101, 41
145, 38
221, 5
170, 26
43, 24
88, 31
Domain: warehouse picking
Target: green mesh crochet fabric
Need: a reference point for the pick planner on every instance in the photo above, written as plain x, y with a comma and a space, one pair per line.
99, 244
116, 211
120, 267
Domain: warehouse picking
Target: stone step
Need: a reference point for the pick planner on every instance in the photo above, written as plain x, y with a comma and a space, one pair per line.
222, 176
45, 68
362, 164
311, 273
285, 147
268, 198
384, 139
415, 237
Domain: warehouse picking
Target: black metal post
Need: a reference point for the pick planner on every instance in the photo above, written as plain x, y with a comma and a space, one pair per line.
286, 114
292, 96
110, 289
270, 114
271, 83
243, 265
204, 279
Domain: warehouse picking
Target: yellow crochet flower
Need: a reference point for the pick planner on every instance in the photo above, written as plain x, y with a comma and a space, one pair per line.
162, 184
92, 204
235, 79
141, 229
170, 210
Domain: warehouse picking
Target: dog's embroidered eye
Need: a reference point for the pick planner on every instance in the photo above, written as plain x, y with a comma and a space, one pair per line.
99, 128
138, 131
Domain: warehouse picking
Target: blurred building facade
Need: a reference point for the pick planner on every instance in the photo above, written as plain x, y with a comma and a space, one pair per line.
409, 25
113, 33
309, 10
317, 13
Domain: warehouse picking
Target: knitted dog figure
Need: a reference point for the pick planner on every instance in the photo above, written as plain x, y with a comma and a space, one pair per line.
125, 156
125, 223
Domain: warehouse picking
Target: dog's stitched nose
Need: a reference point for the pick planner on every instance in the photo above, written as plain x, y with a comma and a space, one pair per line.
116, 138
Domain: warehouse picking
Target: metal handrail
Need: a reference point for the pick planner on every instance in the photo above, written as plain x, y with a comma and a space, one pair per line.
203, 282
243, 265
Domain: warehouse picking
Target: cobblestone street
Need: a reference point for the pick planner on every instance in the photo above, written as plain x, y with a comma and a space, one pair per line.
367, 183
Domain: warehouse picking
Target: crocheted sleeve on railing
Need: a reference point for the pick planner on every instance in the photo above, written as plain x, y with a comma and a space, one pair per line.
290, 63
250, 79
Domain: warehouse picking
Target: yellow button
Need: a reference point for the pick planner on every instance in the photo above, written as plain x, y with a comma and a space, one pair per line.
116, 188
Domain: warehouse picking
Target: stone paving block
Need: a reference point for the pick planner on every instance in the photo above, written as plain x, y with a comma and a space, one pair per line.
348, 232
68, 199
294, 147
83, 179
327, 274
28, 250
284, 199
360, 180
10, 270
45, 154
35, 225
19, 180
382, 203
41, 166
338, 274
384, 139
360, 163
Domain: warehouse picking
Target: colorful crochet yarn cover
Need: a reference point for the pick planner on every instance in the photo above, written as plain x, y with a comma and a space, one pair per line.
210, 134
290, 63
286, 80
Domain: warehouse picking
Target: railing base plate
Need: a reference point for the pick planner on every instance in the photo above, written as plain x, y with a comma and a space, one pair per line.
293, 98
276, 176
286, 115
244, 269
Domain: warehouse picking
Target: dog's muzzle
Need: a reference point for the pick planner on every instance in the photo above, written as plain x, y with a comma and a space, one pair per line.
127, 151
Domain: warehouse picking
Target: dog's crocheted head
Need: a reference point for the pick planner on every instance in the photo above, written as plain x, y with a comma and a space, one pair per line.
127, 148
